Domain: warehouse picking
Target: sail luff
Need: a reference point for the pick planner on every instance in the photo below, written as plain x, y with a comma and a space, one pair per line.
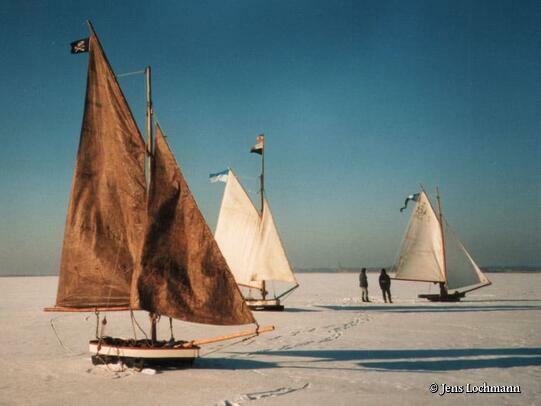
182, 273
106, 212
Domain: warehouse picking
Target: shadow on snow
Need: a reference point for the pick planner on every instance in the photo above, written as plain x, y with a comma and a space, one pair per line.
431, 308
299, 310
417, 360
232, 364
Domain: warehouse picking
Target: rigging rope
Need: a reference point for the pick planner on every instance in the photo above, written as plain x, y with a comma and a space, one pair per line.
137, 324
133, 325
58, 337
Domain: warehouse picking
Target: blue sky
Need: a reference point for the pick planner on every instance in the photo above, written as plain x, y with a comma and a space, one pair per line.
360, 102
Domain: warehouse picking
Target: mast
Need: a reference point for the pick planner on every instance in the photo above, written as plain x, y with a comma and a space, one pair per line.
262, 193
262, 178
149, 114
443, 289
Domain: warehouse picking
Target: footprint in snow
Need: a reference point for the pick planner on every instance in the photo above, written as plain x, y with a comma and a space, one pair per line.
262, 395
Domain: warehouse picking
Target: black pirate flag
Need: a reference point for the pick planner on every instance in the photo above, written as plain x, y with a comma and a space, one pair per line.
79, 46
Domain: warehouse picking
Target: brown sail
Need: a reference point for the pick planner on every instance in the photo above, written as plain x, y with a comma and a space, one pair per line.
107, 208
182, 272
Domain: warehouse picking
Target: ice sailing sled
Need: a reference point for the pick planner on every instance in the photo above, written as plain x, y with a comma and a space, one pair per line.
132, 246
431, 252
250, 243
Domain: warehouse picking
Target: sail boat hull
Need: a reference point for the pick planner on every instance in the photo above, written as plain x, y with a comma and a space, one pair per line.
450, 297
273, 305
141, 356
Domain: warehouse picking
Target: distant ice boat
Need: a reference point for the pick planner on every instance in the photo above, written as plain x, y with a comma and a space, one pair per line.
251, 245
132, 245
431, 252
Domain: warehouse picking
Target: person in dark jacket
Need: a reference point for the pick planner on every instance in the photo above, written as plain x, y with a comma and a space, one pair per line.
385, 285
363, 283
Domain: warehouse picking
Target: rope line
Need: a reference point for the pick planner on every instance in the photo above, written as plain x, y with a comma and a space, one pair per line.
58, 337
137, 324
137, 72
133, 325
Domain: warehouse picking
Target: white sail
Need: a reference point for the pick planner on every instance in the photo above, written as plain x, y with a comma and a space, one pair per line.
271, 260
421, 254
237, 231
248, 241
462, 271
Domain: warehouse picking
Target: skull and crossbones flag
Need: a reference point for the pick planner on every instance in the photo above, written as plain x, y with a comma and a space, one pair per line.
79, 46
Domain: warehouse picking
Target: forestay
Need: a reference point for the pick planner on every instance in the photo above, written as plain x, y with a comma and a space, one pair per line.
249, 241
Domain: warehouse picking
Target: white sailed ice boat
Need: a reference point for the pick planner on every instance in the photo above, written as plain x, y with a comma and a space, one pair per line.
250, 243
431, 252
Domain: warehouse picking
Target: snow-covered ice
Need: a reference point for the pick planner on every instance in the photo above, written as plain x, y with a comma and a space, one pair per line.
328, 348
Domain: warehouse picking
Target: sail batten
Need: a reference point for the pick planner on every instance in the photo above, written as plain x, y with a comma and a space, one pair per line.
182, 273
106, 211
250, 241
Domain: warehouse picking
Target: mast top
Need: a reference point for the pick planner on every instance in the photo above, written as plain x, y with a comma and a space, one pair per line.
90, 26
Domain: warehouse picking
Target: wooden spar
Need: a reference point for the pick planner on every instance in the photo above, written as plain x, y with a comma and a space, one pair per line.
287, 291
244, 333
442, 284
476, 287
262, 193
150, 151
90, 26
262, 177
149, 114
414, 280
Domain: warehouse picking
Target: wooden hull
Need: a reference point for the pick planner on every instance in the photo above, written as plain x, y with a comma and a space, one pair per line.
265, 305
435, 297
142, 356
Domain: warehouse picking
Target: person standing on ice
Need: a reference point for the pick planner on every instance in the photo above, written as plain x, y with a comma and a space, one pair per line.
385, 285
363, 283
